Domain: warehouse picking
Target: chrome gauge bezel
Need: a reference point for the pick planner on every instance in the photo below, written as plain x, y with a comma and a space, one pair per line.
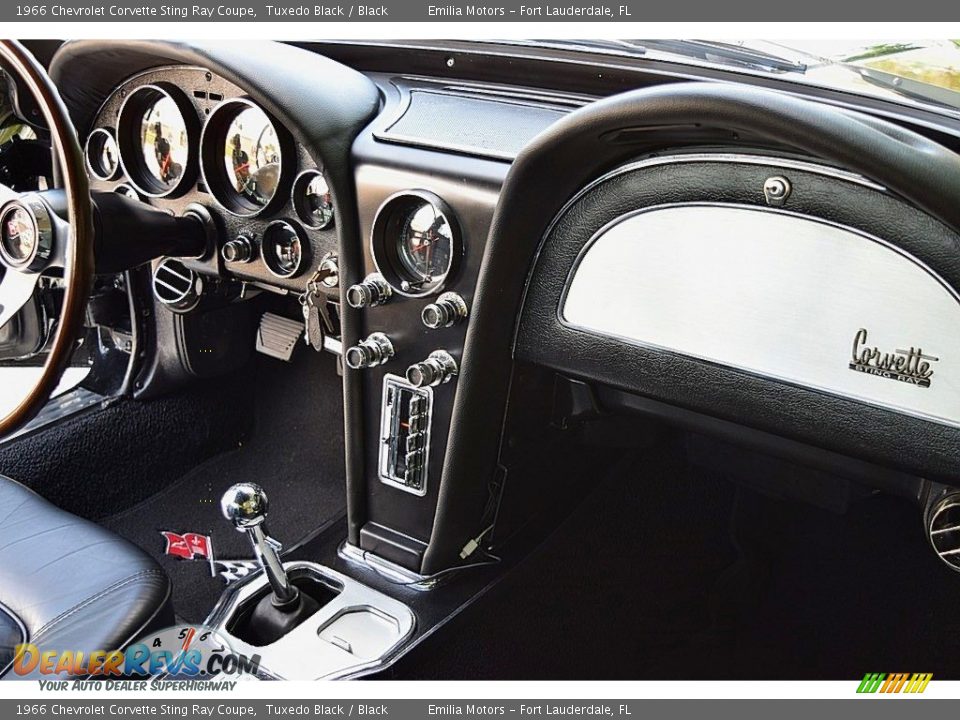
267, 256
385, 241
298, 195
92, 149
129, 121
212, 142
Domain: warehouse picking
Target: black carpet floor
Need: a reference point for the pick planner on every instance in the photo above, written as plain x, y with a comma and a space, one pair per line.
103, 460
294, 451
669, 571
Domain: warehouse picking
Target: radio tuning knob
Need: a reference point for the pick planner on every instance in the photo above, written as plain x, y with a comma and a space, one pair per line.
448, 310
374, 290
437, 369
373, 351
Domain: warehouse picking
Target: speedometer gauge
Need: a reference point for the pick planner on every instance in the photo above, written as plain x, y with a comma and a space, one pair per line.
416, 243
163, 141
157, 136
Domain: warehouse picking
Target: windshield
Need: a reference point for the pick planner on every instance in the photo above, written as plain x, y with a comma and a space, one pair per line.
925, 72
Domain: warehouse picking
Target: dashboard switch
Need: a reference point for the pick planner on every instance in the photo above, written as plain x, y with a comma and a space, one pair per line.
239, 250
374, 290
373, 351
437, 369
448, 310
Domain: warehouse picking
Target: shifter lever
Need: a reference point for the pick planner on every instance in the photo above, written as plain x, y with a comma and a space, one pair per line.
245, 505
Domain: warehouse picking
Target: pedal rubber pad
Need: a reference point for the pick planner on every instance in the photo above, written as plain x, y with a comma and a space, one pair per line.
277, 336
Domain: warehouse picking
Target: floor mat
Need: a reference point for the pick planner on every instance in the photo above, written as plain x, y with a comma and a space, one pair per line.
295, 452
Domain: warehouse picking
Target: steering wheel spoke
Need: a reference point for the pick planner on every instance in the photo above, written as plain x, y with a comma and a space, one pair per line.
16, 289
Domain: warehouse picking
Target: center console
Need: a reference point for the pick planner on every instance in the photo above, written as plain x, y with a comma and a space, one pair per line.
353, 631
305, 621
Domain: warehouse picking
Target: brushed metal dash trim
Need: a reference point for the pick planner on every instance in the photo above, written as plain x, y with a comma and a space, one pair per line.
773, 293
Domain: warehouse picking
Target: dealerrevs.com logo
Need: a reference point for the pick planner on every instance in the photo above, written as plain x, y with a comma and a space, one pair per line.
184, 652
894, 683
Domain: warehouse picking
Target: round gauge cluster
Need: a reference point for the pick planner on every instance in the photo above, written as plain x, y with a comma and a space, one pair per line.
162, 145
416, 243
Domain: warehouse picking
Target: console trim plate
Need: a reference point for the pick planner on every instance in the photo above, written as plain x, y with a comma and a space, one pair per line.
302, 654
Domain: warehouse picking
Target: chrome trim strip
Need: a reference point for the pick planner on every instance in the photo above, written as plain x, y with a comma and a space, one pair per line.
391, 571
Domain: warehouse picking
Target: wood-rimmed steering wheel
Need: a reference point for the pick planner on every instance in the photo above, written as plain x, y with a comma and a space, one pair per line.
35, 240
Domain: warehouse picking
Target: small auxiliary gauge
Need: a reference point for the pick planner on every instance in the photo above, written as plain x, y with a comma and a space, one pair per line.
282, 248
312, 200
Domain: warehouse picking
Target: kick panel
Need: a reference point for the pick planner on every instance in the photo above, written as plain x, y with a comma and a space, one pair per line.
786, 296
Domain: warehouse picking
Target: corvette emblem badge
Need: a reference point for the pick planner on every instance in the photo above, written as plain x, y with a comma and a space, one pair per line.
910, 365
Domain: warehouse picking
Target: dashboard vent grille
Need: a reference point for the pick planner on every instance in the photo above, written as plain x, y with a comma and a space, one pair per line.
176, 286
943, 527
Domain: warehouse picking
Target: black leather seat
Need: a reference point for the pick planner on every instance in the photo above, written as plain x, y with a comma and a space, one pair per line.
69, 584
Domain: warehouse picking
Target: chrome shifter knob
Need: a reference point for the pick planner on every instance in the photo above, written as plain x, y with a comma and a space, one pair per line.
245, 505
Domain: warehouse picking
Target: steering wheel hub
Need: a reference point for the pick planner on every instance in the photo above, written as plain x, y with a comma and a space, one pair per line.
26, 234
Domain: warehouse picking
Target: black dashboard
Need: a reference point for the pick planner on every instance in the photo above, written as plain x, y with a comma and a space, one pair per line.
422, 183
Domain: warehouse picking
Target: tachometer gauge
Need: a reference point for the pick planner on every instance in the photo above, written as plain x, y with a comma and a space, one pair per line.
282, 248
103, 155
416, 243
243, 156
312, 200
156, 135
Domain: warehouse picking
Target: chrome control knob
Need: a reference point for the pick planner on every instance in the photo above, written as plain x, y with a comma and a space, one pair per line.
245, 505
373, 351
437, 369
448, 310
238, 250
374, 290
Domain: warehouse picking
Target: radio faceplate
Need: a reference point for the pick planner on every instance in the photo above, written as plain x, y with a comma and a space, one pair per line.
404, 455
